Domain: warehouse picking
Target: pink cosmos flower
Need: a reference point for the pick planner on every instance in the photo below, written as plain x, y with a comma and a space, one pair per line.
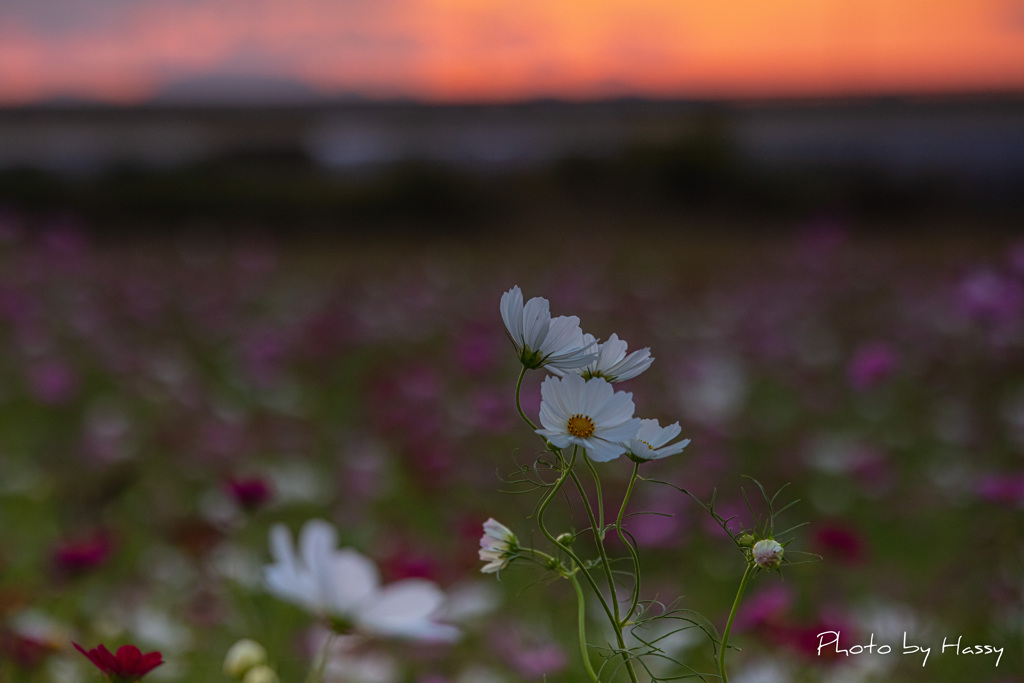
991, 297
52, 382
871, 364
765, 608
839, 541
1002, 488
127, 666
75, 557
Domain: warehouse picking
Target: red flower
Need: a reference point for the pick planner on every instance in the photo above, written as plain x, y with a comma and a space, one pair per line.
77, 557
250, 493
127, 666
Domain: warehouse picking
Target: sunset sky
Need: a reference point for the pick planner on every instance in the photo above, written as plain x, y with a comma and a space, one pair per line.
457, 50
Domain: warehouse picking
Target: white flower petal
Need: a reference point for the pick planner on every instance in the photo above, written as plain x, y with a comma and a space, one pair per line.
650, 441
317, 540
666, 435
298, 589
616, 409
405, 600
404, 609
612, 351
512, 313
559, 439
550, 418
351, 579
536, 322
620, 433
632, 365
671, 450
601, 450
564, 335
281, 548
595, 393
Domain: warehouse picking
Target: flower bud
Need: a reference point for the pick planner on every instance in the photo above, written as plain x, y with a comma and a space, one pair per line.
243, 656
498, 546
767, 554
261, 674
746, 540
565, 538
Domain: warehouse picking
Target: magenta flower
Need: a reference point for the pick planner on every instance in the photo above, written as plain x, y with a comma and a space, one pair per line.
251, 493
52, 382
991, 297
871, 365
840, 542
128, 665
76, 557
26, 652
1002, 488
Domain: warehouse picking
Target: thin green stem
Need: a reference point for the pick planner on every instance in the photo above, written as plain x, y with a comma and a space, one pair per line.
626, 541
581, 619
599, 541
615, 617
542, 508
600, 496
728, 624
519, 407
316, 674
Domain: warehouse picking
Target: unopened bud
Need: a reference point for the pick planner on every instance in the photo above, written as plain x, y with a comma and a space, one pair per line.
767, 554
746, 540
243, 656
261, 674
565, 538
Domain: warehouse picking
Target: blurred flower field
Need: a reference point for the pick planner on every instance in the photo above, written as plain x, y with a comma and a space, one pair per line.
165, 402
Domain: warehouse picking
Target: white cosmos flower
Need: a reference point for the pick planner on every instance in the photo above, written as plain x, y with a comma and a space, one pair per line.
344, 586
612, 362
498, 546
587, 413
651, 439
540, 339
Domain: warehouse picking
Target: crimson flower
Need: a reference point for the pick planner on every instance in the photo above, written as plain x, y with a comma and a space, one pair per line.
250, 493
76, 557
127, 666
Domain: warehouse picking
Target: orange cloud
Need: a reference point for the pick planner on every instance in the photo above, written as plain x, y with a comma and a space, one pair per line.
465, 49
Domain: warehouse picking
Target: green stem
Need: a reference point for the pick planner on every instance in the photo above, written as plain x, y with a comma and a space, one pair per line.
635, 601
556, 487
519, 407
582, 626
615, 617
599, 541
316, 674
728, 624
600, 496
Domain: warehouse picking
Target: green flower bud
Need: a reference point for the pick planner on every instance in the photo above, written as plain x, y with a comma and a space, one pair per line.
565, 538
746, 540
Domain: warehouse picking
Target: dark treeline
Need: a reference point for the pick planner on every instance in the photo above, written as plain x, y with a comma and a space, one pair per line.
885, 161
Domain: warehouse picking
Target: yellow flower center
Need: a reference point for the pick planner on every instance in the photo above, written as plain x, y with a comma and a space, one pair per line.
580, 426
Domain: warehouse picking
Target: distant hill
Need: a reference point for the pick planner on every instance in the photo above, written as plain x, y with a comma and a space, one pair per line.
236, 90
